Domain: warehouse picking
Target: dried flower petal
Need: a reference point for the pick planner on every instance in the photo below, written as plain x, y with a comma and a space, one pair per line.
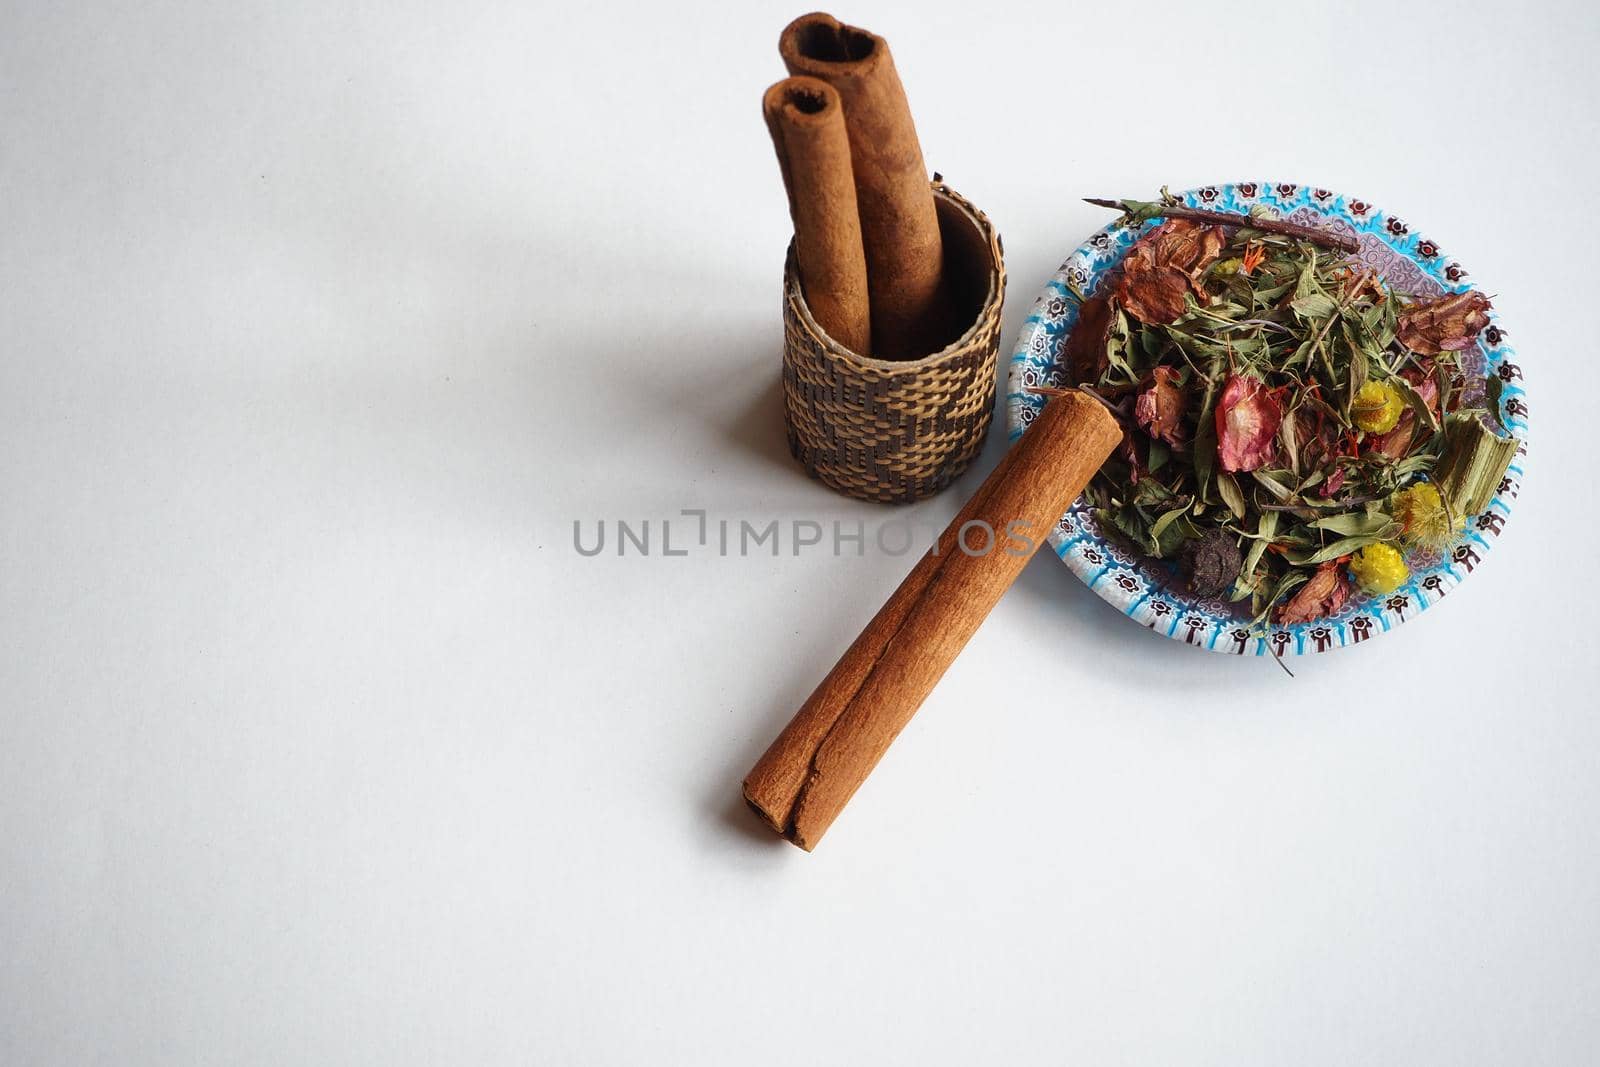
1424, 519
1448, 324
1160, 406
1153, 294
1133, 455
1364, 284
1248, 415
1380, 568
1189, 246
1322, 595
1164, 265
1085, 350
1254, 254
1333, 484
1377, 407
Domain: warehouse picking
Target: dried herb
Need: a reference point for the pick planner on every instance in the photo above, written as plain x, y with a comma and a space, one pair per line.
1324, 594
1290, 422
1145, 210
1161, 405
1448, 324
1085, 350
1475, 459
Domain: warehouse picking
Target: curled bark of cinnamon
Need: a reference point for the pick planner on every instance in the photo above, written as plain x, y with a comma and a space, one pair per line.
841, 732
806, 119
899, 223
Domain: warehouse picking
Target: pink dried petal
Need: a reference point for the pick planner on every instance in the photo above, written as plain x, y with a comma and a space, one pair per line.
1248, 416
1334, 483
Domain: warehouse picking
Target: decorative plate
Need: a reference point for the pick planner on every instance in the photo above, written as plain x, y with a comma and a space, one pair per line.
1149, 590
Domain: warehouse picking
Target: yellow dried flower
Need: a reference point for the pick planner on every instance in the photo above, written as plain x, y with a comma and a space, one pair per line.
1423, 517
1379, 568
1377, 407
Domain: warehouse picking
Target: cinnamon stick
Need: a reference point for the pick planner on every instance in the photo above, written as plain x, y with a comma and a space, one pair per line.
806, 120
819, 760
899, 223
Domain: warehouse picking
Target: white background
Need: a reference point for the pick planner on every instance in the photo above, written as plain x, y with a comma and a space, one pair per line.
320, 324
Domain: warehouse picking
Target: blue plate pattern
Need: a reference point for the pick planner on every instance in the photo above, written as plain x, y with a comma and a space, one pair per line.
1147, 590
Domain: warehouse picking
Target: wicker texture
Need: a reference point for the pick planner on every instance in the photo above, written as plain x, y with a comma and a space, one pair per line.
898, 431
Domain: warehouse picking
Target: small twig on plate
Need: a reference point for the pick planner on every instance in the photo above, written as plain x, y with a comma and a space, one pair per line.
1315, 234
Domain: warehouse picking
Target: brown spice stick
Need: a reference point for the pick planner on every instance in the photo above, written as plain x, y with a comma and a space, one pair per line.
806, 120
899, 223
1315, 234
841, 732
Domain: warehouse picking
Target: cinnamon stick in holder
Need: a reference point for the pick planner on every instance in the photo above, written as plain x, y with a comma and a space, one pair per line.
899, 225
806, 120
819, 760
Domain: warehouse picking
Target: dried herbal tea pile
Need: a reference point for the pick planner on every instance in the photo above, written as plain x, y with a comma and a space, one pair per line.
1292, 426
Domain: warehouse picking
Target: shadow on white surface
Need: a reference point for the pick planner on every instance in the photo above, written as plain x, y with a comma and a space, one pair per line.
756, 428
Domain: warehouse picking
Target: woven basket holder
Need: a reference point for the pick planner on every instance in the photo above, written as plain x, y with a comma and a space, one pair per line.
898, 430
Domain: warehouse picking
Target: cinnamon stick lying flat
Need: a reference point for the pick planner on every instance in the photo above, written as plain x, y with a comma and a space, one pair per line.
816, 764
899, 223
806, 120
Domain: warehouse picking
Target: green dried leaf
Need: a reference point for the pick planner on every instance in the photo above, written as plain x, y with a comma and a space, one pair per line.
1419, 406
1167, 518
1278, 483
1117, 347
1231, 494
1266, 528
1170, 531
1359, 524
1342, 547
1287, 434
1149, 346
1158, 454
1126, 520
1314, 306
1493, 388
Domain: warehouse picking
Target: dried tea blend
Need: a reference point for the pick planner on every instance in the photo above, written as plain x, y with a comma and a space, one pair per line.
1291, 424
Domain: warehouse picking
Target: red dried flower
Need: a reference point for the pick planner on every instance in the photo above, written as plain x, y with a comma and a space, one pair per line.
1248, 416
1159, 408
